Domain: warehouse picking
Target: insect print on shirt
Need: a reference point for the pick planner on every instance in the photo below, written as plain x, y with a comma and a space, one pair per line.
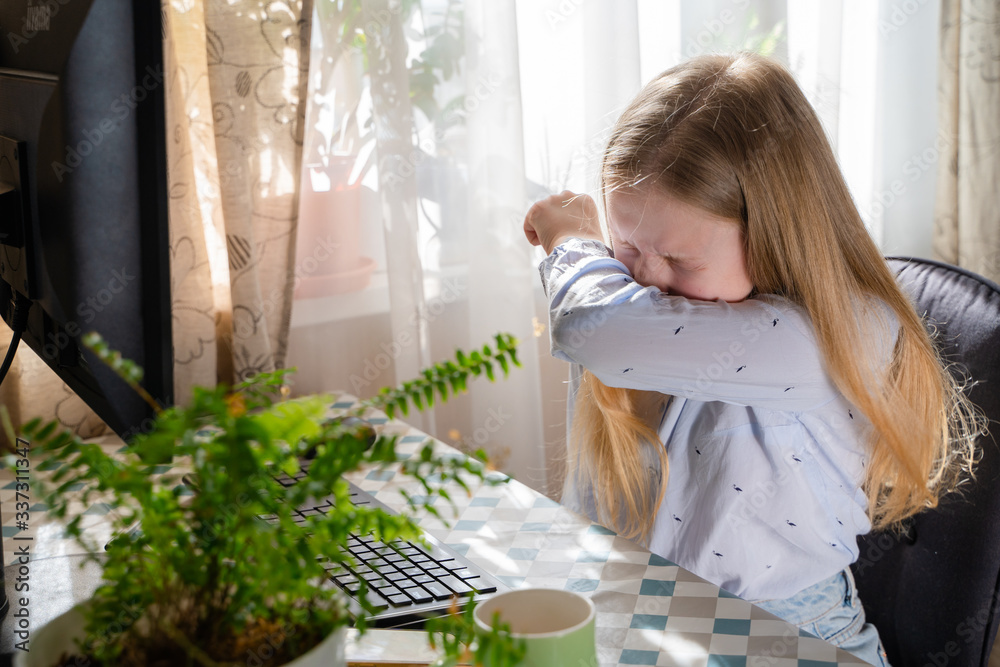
737, 489
788, 388
677, 518
796, 459
627, 370
850, 414
741, 368
790, 523
697, 451
716, 553
775, 322
839, 521
678, 329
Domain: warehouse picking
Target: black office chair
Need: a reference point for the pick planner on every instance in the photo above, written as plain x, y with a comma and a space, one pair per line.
934, 594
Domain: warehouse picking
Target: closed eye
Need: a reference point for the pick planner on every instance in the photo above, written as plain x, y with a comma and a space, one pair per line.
684, 264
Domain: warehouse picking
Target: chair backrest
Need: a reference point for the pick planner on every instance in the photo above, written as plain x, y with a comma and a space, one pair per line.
933, 593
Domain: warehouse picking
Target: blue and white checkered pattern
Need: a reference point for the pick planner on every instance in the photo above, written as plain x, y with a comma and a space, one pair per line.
649, 611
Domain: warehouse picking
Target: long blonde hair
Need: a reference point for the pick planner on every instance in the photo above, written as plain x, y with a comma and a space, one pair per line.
735, 136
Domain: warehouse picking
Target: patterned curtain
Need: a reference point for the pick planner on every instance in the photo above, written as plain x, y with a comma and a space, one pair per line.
967, 227
31, 389
236, 72
236, 77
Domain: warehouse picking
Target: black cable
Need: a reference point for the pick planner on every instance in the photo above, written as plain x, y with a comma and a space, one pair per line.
19, 323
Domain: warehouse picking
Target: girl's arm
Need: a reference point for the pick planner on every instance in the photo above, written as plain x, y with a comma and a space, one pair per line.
758, 352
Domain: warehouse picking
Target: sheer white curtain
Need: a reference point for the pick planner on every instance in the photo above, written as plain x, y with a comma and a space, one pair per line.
515, 104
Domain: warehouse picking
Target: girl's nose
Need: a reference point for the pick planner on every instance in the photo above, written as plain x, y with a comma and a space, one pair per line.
644, 274
640, 271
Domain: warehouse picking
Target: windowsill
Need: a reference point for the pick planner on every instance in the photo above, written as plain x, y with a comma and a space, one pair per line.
371, 300
444, 284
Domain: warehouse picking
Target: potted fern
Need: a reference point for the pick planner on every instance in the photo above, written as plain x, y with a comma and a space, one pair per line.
204, 581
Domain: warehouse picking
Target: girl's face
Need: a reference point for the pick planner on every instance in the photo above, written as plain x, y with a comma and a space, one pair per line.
677, 248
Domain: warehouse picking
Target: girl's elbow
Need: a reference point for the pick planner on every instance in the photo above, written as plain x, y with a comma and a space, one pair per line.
578, 339
567, 339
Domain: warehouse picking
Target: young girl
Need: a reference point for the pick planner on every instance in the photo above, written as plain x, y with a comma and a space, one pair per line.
745, 333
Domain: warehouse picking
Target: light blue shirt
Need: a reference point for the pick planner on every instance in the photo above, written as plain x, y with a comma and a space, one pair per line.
766, 455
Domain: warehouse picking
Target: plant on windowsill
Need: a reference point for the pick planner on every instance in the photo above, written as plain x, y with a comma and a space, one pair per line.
204, 581
347, 91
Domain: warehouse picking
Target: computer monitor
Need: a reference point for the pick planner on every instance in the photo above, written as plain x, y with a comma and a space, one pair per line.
83, 193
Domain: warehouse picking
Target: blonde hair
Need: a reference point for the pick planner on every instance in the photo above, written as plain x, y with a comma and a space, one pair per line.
735, 136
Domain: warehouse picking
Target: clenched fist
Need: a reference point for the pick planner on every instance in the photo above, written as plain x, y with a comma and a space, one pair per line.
556, 218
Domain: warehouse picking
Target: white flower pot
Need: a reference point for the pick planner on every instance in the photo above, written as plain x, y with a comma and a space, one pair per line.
58, 636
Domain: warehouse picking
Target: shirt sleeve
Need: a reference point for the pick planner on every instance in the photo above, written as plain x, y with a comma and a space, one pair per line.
760, 352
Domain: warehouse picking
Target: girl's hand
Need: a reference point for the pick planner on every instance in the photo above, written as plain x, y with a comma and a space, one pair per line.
556, 218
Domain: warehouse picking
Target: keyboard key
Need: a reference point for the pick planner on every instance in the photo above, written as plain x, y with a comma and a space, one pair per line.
483, 587
376, 601
438, 572
423, 579
419, 548
456, 584
437, 590
419, 594
399, 600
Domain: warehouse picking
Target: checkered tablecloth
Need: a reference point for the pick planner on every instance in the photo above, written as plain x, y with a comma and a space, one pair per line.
649, 611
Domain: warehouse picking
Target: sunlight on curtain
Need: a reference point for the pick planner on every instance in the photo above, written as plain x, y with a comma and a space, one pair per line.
235, 74
488, 105
857, 112
966, 231
438, 209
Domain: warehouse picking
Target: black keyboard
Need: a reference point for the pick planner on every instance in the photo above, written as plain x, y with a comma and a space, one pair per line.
406, 582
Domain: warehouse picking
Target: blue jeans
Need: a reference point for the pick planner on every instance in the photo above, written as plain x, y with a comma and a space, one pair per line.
832, 611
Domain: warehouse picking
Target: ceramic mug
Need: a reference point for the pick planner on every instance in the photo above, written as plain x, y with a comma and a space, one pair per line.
557, 626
